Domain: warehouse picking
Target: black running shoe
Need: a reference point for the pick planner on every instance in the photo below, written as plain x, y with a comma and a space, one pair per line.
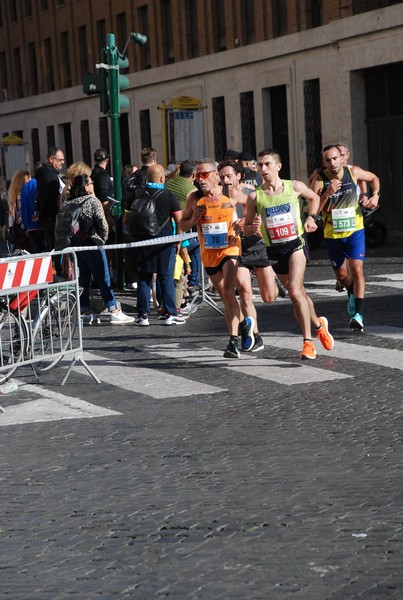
232, 350
282, 291
258, 345
247, 335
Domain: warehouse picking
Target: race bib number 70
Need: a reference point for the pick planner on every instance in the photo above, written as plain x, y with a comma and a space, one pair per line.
215, 235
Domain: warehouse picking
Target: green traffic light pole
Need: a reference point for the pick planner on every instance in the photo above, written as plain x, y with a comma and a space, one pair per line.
117, 60
113, 89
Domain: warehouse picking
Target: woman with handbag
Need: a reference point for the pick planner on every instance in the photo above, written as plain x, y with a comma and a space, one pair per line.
93, 263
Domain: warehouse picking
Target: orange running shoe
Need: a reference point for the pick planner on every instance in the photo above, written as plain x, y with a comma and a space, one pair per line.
308, 351
326, 339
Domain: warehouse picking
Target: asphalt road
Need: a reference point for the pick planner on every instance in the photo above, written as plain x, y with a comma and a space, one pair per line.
186, 475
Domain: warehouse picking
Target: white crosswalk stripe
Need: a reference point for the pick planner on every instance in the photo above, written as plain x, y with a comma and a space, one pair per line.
49, 406
249, 364
156, 383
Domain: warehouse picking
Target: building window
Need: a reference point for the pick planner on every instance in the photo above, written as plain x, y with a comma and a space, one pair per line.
145, 128
44, 5
101, 33
220, 40
279, 16
103, 133
248, 21
67, 144
66, 62
50, 136
61, 2
49, 73
145, 56
219, 128
83, 49
313, 133
3, 76
28, 9
248, 122
192, 33
85, 142
125, 138
360, 6
121, 30
12, 5
19, 88
279, 126
167, 32
36, 151
315, 14
33, 68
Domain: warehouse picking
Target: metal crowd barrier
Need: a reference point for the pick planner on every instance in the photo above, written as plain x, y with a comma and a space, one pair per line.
39, 316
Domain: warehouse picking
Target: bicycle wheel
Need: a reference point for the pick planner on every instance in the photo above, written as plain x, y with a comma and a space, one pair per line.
12, 344
53, 334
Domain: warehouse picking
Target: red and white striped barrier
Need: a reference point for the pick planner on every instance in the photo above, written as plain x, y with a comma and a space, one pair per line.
27, 271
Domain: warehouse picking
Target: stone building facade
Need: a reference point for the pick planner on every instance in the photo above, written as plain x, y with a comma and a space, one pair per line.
214, 74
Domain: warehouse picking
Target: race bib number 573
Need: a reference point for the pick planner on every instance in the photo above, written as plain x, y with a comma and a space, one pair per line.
343, 219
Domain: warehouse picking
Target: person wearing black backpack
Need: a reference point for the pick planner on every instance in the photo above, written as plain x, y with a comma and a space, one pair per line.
138, 179
93, 231
149, 214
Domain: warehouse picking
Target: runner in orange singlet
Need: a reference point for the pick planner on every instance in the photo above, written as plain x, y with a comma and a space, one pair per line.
220, 248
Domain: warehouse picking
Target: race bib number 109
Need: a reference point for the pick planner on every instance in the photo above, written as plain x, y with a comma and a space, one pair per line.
281, 228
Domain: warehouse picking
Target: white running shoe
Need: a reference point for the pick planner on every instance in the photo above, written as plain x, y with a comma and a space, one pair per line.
119, 318
174, 320
142, 320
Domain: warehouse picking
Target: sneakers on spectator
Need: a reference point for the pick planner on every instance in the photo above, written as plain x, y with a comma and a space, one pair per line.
119, 318
182, 313
193, 289
90, 319
174, 320
308, 351
162, 314
351, 305
258, 345
232, 350
357, 322
189, 309
247, 336
326, 339
142, 320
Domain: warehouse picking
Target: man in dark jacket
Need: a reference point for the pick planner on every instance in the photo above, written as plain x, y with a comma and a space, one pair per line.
157, 258
50, 187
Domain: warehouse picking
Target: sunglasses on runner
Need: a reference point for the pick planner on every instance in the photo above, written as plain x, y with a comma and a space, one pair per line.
203, 174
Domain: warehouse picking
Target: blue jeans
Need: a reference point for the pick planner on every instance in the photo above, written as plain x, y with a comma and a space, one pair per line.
167, 287
194, 254
94, 262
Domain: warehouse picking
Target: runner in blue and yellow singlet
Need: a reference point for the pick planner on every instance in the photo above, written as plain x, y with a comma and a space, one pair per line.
338, 187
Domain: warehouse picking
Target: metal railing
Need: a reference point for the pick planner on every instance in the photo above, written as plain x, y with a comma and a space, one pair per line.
40, 320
